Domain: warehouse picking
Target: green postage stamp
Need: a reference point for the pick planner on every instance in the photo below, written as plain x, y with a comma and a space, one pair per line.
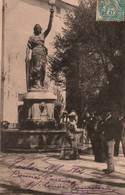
110, 10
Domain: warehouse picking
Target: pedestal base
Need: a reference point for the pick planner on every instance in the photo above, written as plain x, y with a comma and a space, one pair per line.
14, 140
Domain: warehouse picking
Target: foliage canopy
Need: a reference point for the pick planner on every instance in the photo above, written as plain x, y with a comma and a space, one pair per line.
89, 60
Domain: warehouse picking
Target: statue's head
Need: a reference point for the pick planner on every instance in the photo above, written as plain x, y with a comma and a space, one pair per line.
37, 29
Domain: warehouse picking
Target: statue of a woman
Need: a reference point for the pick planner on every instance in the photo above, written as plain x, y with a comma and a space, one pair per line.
37, 65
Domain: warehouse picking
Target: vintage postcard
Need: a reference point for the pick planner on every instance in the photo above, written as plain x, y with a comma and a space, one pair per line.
62, 100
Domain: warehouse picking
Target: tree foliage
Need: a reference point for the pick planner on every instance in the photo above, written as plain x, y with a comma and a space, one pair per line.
89, 60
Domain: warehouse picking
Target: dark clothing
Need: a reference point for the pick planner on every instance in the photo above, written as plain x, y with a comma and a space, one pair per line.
90, 127
120, 136
99, 147
116, 146
99, 143
97, 139
110, 127
91, 132
123, 145
123, 137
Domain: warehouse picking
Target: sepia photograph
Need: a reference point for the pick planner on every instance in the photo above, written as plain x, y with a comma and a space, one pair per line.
62, 97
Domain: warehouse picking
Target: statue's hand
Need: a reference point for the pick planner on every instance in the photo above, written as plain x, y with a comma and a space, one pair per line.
51, 11
27, 59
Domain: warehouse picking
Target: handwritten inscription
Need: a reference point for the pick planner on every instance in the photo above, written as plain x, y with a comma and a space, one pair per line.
47, 174
57, 167
45, 177
91, 190
30, 166
50, 168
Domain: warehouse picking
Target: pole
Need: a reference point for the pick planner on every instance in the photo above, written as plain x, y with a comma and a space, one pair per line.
2, 68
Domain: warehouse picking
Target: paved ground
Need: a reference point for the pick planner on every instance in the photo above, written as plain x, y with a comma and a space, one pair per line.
44, 173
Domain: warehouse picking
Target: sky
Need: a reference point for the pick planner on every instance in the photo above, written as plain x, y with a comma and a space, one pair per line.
73, 2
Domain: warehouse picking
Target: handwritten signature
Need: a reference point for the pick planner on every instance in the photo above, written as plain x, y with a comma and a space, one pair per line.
47, 179
90, 190
47, 174
50, 168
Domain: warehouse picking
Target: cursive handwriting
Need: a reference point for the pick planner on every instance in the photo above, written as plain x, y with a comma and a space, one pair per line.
76, 170
45, 175
18, 173
49, 185
90, 190
30, 166
55, 167
32, 184
47, 179
50, 168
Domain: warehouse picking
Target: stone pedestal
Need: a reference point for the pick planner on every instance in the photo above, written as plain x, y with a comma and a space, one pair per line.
39, 110
37, 113
16, 140
37, 126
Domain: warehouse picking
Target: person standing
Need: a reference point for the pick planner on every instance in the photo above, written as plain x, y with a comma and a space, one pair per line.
70, 150
90, 130
119, 136
86, 119
109, 127
98, 144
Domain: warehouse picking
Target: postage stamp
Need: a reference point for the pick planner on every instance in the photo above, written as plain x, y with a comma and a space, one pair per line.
110, 10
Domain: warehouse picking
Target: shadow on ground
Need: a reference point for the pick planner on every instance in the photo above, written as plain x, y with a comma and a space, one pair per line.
17, 190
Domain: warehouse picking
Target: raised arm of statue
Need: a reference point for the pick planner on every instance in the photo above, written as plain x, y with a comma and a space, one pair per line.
50, 23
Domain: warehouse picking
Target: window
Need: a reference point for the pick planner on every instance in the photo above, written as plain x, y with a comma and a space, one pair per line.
58, 10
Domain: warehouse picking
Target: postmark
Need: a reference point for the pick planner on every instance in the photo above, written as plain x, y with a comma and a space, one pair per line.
110, 10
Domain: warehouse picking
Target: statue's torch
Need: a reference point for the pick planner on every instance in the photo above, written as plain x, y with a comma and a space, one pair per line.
52, 3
